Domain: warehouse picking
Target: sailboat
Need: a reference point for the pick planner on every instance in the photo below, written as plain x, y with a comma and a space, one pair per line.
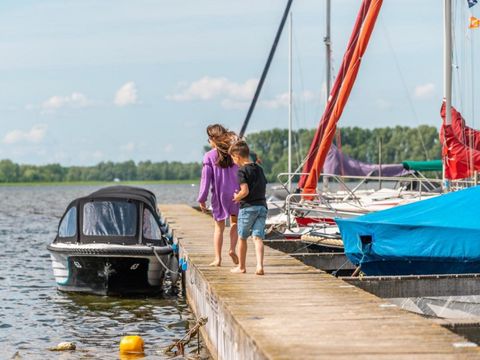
349, 201
343, 202
435, 236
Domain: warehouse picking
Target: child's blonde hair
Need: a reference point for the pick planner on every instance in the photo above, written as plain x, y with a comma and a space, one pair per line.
222, 138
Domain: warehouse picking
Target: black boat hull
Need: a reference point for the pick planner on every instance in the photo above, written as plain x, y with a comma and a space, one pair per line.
108, 274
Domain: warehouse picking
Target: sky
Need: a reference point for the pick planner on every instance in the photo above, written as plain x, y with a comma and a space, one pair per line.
113, 80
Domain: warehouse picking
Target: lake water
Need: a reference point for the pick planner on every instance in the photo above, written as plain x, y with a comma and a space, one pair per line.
34, 315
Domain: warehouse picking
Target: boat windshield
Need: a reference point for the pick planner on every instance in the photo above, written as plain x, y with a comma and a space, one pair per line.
151, 230
68, 226
109, 218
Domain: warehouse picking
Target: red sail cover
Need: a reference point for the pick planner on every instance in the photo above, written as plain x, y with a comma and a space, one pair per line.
465, 134
460, 159
346, 87
332, 99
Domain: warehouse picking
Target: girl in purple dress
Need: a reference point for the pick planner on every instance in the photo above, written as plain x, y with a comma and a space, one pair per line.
219, 174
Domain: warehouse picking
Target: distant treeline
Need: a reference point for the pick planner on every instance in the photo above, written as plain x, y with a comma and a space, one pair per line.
105, 171
398, 144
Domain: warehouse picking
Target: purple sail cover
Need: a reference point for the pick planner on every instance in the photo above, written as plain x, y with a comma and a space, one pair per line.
337, 163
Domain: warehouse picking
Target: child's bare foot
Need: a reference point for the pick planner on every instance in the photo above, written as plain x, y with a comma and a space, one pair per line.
259, 272
215, 263
233, 256
237, 270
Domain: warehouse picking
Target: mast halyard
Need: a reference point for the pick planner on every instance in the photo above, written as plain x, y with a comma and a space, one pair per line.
328, 64
290, 102
447, 57
328, 49
447, 76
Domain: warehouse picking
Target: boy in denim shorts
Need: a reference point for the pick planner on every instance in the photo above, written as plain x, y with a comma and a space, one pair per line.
253, 205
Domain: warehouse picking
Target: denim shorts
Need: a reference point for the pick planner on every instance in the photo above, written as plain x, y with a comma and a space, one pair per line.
251, 221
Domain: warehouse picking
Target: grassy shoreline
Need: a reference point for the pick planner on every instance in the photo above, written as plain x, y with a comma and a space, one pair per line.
99, 183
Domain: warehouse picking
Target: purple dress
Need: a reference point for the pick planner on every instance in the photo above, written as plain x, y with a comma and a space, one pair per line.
223, 183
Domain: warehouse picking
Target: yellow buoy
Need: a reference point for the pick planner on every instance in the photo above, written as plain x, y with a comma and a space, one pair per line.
132, 344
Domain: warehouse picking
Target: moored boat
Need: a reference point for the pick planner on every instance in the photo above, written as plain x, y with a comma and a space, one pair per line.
113, 242
434, 236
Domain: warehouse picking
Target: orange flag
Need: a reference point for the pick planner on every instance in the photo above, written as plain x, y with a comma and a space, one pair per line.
474, 22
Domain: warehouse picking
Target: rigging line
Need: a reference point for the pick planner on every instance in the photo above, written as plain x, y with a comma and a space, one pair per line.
456, 59
397, 65
299, 64
298, 105
472, 81
456, 43
472, 76
295, 137
313, 153
462, 86
265, 69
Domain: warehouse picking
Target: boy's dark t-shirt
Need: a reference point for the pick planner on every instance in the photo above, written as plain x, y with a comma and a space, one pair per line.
252, 175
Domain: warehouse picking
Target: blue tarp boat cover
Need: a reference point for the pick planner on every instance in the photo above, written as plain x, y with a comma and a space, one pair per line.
440, 235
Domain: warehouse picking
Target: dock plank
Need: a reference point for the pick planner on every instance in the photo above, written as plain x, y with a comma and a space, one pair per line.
296, 311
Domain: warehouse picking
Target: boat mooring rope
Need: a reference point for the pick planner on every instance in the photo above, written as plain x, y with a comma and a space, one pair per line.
161, 263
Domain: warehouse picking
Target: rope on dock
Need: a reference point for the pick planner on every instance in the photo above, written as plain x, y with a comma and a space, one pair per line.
322, 240
180, 344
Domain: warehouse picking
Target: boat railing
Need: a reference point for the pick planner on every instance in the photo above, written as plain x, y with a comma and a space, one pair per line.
417, 186
290, 176
289, 209
322, 200
415, 181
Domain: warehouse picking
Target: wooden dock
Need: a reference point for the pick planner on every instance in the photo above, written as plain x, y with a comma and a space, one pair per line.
296, 311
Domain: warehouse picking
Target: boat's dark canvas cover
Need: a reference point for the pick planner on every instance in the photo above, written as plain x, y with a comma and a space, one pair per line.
112, 215
440, 235
126, 192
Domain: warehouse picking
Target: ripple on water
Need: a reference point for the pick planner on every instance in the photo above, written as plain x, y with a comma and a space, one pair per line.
35, 316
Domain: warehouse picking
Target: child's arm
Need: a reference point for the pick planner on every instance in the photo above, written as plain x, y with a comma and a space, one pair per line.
242, 193
205, 182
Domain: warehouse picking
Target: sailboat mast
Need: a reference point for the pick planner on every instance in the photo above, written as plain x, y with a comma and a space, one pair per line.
447, 58
328, 64
265, 69
290, 101
328, 49
447, 68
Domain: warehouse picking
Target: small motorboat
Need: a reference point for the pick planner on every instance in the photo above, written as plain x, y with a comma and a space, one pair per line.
113, 242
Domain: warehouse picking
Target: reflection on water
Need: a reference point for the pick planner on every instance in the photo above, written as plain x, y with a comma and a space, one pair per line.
35, 316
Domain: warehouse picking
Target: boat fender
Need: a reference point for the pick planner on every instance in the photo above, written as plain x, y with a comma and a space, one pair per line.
131, 344
175, 248
174, 268
183, 263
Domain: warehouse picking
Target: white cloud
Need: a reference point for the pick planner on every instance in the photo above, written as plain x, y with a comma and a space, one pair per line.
424, 91
232, 95
126, 95
281, 100
208, 88
76, 100
168, 148
34, 135
129, 147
